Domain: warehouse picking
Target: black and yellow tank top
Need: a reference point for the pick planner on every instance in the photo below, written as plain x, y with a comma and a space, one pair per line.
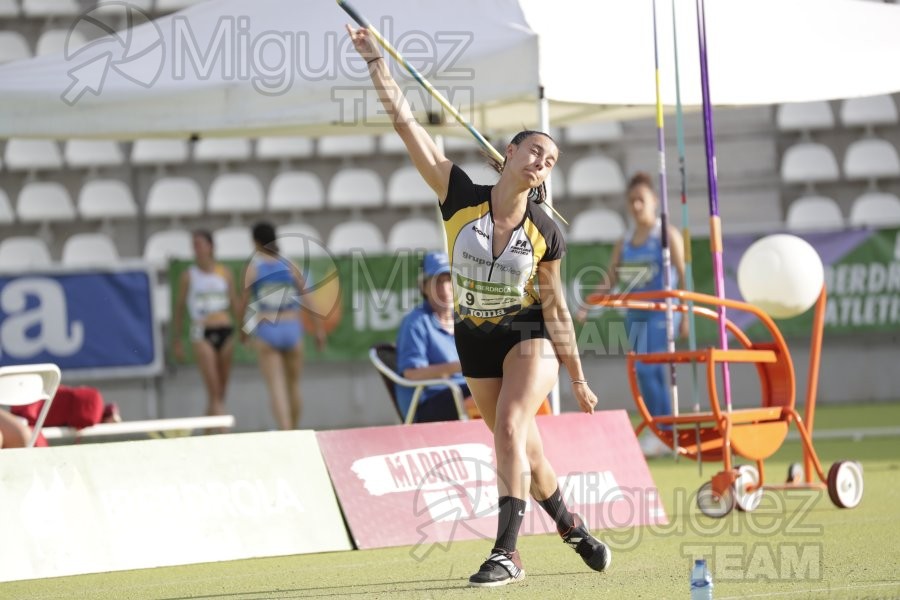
493, 291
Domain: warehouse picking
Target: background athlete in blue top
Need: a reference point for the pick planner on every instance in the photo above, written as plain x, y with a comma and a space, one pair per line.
636, 265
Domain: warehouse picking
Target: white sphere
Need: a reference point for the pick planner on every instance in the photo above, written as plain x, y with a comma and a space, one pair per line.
781, 274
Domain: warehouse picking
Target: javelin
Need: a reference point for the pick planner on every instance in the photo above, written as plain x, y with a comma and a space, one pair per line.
389, 48
715, 223
664, 236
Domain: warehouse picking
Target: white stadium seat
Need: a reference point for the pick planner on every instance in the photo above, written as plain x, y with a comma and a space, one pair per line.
875, 209
106, 199
58, 41
361, 236
600, 132
233, 243
25, 155
558, 183
93, 153
9, 8
346, 145
159, 152
298, 240
173, 5
595, 176
809, 162
391, 143
355, 188
269, 148
868, 111
480, 172
174, 197
871, 159
45, 8
7, 215
13, 46
294, 191
804, 116
407, 188
44, 201
597, 225
89, 249
812, 213
169, 244
415, 233
115, 6
24, 252
222, 150
235, 193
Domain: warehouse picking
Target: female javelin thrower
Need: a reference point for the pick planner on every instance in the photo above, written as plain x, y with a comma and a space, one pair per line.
511, 335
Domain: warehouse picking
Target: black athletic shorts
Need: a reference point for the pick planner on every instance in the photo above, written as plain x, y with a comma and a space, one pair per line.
217, 336
481, 354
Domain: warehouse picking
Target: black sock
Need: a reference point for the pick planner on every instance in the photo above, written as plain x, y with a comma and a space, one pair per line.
512, 511
557, 510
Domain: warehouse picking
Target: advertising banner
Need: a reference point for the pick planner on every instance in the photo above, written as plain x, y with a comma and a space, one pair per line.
430, 484
361, 299
95, 323
131, 505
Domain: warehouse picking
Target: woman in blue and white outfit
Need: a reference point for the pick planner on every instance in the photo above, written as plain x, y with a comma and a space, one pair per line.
273, 286
636, 265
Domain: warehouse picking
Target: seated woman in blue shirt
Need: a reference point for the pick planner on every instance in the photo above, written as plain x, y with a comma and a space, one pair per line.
426, 347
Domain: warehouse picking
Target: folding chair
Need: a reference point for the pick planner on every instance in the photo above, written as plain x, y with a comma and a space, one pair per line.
26, 384
384, 358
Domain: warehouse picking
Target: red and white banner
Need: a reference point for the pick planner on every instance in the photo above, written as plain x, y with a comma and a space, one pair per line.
433, 483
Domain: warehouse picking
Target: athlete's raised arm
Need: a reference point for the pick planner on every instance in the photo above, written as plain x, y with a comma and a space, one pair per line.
431, 163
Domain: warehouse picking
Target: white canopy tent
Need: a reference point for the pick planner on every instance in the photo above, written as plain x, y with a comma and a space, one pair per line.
230, 67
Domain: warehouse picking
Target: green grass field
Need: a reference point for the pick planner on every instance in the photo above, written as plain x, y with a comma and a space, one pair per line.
795, 545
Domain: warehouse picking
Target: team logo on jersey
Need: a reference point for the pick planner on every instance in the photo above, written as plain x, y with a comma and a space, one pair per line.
521, 247
479, 232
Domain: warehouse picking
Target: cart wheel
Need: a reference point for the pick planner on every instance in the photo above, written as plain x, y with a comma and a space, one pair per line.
713, 505
845, 483
745, 500
795, 473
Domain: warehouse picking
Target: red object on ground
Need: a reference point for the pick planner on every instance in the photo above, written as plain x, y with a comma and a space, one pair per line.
77, 407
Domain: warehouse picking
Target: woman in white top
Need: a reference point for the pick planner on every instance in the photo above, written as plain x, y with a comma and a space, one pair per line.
207, 290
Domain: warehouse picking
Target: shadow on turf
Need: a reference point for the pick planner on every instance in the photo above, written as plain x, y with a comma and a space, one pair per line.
358, 588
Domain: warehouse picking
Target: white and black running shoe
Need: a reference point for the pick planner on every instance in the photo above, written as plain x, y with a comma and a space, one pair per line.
500, 568
592, 551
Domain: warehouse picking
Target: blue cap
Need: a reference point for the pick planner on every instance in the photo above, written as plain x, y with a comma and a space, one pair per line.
435, 263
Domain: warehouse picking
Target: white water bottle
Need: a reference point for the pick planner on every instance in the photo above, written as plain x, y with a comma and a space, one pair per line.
701, 581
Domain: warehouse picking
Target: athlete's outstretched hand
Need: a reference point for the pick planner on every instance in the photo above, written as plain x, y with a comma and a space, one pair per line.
364, 43
587, 399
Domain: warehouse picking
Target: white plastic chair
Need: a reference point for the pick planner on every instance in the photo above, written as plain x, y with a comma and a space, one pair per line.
869, 111
351, 236
58, 41
355, 188
46, 8
222, 150
105, 199
346, 145
21, 253
93, 153
9, 8
233, 243
414, 233
159, 152
871, 159
294, 191
407, 188
876, 209
26, 155
174, 197
381, 354
268, 148
812, 213
234, 194
44, 202
804, 116
300, 240
21, 385
89, 250
13, 46
809, 162
600, 132
595, 176
597, 225
168, 244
